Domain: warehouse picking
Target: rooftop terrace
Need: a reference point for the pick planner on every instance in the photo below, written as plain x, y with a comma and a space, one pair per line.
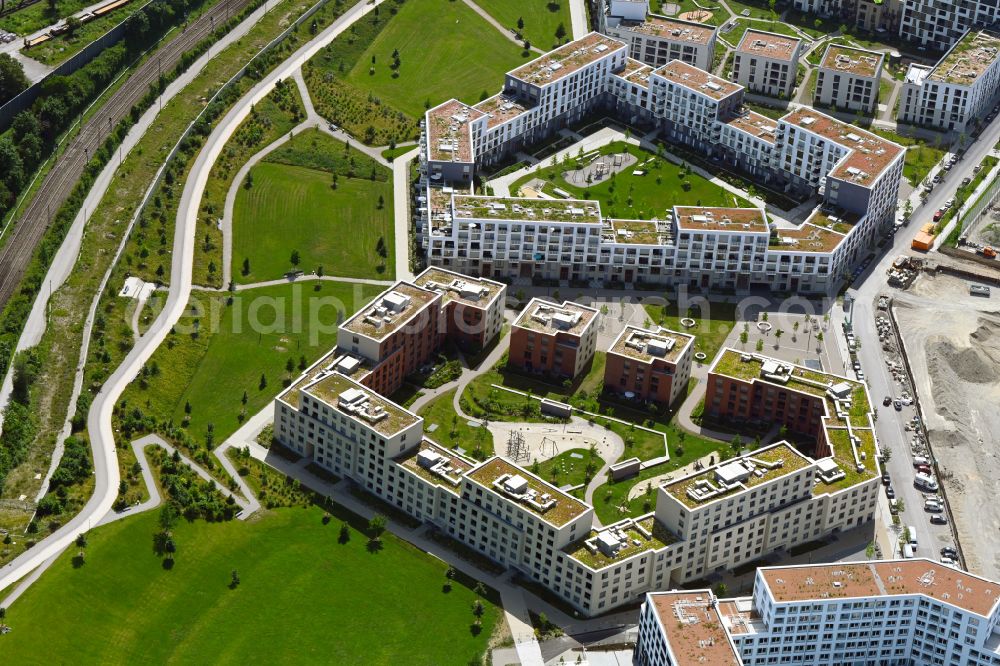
636, 72
848, 60
881, 579
449, 136
567, 59
500, 108
647, 346
532, 210
620, 541
694, 628
636, 232
436, 464
755, 125
689, 76
736, 475
458, 287
768, 44
808, 238
737, 220
969, 58
390, 311
673, 29
547, 317
361, 404
869, 154
528, 491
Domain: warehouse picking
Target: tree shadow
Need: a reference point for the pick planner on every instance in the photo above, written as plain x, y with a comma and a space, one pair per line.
374, 545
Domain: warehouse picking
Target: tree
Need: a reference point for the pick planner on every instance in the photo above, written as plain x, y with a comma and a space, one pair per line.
246, 266
477, 608
721, 589
520, 23
376, 526
72, 25
560, 31
760, 345
295, 258
12, 78
234, 579
736, 444
345, 533
381, 202
263, 382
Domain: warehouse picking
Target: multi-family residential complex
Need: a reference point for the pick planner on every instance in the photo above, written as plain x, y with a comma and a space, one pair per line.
400, 331
938, 24
959, 89
915, 611
767, 63
647, 365
856, 173
656, 40
732, 513
556, 340
848, 79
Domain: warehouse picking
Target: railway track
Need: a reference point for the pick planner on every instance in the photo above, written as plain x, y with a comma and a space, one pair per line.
27, 232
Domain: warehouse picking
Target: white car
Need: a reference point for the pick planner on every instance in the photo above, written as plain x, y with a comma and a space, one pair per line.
948, 560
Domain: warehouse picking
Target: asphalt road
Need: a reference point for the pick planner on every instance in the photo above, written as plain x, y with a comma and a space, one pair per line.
890, 422
99, 424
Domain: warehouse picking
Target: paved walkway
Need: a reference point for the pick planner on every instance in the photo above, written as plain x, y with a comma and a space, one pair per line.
499, 26
578, 18
401, 213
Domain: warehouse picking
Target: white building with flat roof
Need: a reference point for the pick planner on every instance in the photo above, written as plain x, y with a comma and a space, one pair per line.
767, 63
656, 40
959, 90
916, 611
848, 79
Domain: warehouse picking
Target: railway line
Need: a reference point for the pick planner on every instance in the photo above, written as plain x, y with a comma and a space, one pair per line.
27, 232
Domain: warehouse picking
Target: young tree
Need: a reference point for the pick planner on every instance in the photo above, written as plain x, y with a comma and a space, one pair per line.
246, 266
295, 258
345, 533
376, 526
560, 31
520, 23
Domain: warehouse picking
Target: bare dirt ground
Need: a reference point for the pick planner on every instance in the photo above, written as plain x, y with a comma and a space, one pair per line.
952, 342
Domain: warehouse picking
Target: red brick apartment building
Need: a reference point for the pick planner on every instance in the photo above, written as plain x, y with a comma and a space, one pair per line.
473, 307
556, 340
768, 391
651, 366
404, 327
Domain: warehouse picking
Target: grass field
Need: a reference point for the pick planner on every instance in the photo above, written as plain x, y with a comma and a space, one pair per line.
718, 13
60, 49
637, 197
457, 54
735, 35
303, 597
257, 335
295, 209
452, 430
710, 331
541, 18
921, 156
572, 467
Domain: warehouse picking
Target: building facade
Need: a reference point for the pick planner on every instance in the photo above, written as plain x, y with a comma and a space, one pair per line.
959, 90
767, 63
656, 40
915, 612
848, 79
553, 339
650, 366
805, 153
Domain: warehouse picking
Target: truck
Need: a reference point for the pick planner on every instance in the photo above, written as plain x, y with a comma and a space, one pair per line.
924, 240
988, 252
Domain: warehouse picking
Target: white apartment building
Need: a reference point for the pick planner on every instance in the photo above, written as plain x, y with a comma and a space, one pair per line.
959, 90
938, 24
916, 612
848, 79
806, 152
656, 40
732, 513
767, 63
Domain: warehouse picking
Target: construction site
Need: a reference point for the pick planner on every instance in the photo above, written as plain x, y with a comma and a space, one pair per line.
951, 340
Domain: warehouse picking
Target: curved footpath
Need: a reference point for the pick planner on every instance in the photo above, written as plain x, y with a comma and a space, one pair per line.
99, 418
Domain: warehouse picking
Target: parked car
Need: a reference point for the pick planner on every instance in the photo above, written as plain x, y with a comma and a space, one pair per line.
886, 401
898, 405
939, 519
966, 181
947, 560
938, 214
920, 460
949, 551
890, 493
933, 506
885, 479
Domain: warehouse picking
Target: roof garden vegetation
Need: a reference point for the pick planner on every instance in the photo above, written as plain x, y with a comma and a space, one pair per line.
566, 507
790, 462
663, 184
661, 538
843, 455
211, 623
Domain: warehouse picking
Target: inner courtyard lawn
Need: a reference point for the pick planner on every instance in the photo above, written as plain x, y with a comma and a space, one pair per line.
294, 209
714, 322
303, 597
662, 185
445, 50
210, 365
541, 19
453, 431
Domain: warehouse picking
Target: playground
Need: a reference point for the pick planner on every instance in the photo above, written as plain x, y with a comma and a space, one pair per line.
527, 443
698, 16
599, 168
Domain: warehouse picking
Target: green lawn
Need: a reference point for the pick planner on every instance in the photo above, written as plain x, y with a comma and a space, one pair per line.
921, 156
709, 332
37, 16
303, 597
392, 153
295, 209
541, 18
452, 430
60, 49
573, 467
257, 335
637, 197
758, 10
718, 13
